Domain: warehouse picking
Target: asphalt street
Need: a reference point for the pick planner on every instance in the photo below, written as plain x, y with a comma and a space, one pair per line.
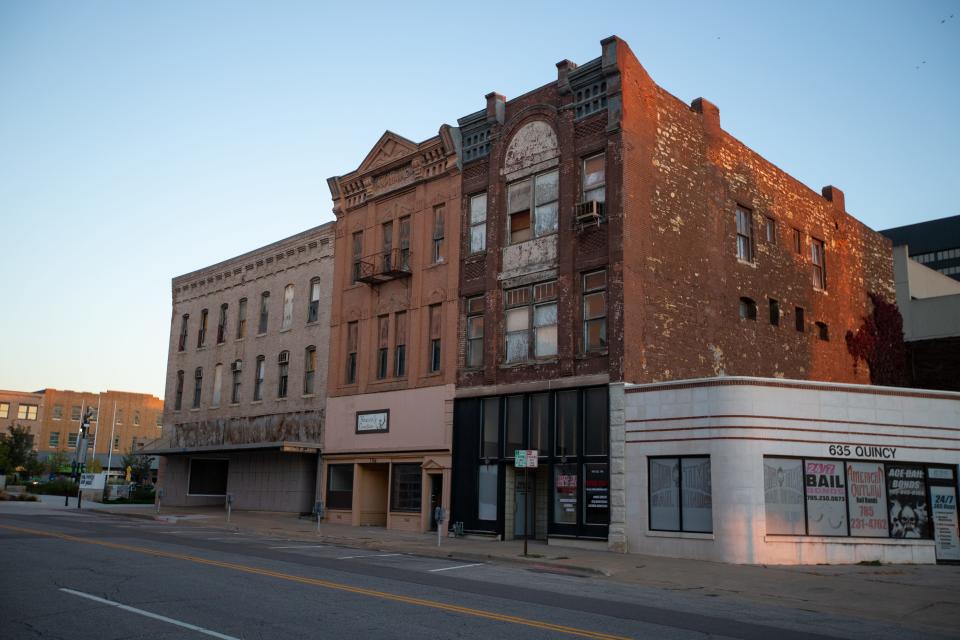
84, 575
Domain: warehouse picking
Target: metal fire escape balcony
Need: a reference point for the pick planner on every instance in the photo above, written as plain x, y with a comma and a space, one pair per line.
383, 267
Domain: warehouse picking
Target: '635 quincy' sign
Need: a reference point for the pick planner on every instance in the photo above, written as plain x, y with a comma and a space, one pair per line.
863, 451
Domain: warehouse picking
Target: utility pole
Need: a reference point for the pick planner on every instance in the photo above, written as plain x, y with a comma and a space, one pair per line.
113, 425
82, 450
97, 432
75, 474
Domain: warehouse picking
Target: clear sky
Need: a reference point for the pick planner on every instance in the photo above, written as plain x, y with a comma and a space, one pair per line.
143, 140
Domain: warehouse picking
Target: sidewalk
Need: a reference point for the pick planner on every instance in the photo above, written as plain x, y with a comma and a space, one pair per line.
921, 594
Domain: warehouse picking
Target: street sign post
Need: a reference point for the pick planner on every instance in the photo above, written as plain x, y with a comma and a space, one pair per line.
526, 459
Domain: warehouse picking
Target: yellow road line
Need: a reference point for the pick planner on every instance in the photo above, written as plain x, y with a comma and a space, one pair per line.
422, 602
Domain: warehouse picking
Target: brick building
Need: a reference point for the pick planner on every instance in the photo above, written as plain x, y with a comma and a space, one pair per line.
246, 377
393, 334
615, 234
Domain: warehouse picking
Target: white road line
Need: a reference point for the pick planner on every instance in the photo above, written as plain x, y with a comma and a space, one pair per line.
147, 614
378, 555
459, 566
301, 546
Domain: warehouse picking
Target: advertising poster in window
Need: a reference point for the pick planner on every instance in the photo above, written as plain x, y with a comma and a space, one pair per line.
565, 494
867, 497
783, 490
665, 494
596, 494
697, 495
907, 501
945, 522
826, 498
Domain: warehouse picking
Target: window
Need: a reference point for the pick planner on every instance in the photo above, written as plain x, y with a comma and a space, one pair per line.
748, 309
478, 223
27, 412
474, 355
774, 312
594, 182
4, 409
241, 318
436, 327
136, 417
817, 259
184, 324
340, 486
236, 369
540, 422
309, 369
406, 487
681, 497
94, 414
400, 344
202, 332
387, 228
72, 439
222, 324
590, 99
178, 396
313, 311
439, 212
356, 255
119, 418
565, 493
54, 441
532, 306
383, 345
258, 376
264, 312
283, 373
217, 384
287, 321
57, 412
770, 228
490, 447
534, 198
596, 420
159, 420
75, 413
566, 440
823, 331
116, 443
515, 425
405, 243
351, 373
798, 319
208, 477
797, 242
487, 492
197, 386
595, 311
744, 235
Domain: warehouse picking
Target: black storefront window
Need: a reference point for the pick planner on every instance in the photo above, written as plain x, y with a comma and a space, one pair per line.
515, 425
490, 447
407, 488
566, 438
565, 494
596, 493
340, 486
540, 423
596, 435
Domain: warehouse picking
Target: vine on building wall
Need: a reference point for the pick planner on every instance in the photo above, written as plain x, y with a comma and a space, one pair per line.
879, 342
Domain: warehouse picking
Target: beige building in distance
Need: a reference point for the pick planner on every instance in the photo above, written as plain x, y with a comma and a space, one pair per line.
246, 377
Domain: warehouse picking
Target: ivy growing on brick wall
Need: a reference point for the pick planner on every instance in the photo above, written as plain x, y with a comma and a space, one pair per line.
879, 343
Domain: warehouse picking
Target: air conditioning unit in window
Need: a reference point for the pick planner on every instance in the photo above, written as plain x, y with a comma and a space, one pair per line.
588, 213
235, 366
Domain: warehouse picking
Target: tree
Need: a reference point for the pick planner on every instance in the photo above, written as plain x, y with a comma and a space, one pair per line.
140, 466
17, 448
94, 466
56, 460
879, 342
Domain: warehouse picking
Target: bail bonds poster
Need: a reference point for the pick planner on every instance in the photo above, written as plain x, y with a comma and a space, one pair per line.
907, 501
867, 497
826, 498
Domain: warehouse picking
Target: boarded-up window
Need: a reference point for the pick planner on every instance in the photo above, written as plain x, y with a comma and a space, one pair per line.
287, 308
478, 223
208, 477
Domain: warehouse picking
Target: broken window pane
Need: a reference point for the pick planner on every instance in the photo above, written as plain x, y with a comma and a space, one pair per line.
545, 324
548, 186
546, 219
518, 196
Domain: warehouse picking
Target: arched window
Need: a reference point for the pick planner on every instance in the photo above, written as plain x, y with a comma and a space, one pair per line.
313, 311
178, 396
283, 373
287, 320
235, 369
309, 369
184, 323
264, 311
197, 386
202, 333
217, 383
258, 374
222, 324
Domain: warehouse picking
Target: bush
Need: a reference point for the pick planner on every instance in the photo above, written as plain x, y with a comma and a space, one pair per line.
17, 497
55, 487
142, 494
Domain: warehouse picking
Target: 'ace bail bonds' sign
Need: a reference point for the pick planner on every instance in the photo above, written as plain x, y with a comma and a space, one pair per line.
826, 498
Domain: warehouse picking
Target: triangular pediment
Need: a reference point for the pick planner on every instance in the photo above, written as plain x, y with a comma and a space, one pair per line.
389, 147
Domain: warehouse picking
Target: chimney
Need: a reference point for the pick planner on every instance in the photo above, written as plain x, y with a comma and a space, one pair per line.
564, 67
710, 113
496, 105
834, 195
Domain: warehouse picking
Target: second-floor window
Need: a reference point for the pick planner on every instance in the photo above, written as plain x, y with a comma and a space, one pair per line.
241, 318
222, 324
351, 364
197, 387
438, 215
817, 259
744, 234
217, 385
258, 375
202, 333
178, 396
313, 311
309, 369
356, 256
405, 243
594, 178
595, 311
387, 229
287, 320
532, 207
475, 308
283, 373
383, 346
400, 344
436, 328
236, 370
531, 322
478, 223
264, 312
184, 326
27, 412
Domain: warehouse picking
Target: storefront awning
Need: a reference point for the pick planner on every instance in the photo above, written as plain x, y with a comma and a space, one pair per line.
282, 447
